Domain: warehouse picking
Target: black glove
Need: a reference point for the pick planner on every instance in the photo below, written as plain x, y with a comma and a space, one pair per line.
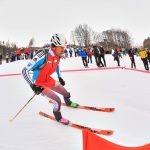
62, 82
37, 89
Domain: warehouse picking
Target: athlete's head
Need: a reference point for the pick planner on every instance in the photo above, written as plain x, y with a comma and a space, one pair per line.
58, 44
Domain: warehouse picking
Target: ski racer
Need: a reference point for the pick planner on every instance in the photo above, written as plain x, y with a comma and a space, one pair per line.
42, 82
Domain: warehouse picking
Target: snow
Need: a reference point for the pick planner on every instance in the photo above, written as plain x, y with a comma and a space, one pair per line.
127, 91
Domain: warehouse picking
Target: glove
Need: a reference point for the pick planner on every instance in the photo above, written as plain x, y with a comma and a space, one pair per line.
62, 82
37, 89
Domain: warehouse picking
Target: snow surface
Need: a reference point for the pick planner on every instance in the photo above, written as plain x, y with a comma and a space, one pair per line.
127, 91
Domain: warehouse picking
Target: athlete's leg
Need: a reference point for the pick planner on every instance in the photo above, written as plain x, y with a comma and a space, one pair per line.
61, 90
51, 95
57, 104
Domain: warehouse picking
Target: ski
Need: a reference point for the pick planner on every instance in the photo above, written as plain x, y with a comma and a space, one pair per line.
77, 126
103, 109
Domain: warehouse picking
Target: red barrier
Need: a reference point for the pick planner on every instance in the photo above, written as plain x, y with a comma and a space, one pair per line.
88, 69
138, 70
91, 69
92, 141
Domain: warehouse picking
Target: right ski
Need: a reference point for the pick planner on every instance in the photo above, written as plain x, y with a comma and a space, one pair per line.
103, 109
77, 126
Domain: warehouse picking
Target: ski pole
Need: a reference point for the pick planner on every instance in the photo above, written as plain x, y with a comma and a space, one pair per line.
11, 120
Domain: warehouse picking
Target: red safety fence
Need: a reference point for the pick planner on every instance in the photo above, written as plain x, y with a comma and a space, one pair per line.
92, 141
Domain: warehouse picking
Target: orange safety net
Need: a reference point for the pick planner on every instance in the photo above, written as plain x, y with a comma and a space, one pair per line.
92, 141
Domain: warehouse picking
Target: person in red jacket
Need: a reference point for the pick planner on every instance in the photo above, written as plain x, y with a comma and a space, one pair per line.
18, 53
27, 52
89, 54
43, 66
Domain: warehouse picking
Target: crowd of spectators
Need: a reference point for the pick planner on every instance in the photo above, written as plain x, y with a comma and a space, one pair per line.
87, 54
19, 54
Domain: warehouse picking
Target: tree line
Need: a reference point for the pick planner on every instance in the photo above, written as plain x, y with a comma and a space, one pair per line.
83, 35
7, 47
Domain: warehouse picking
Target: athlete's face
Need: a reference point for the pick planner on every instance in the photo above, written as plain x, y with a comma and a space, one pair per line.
58, 50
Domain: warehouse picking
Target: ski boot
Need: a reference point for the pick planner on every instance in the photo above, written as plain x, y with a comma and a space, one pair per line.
69, 102
60, 119
73, 104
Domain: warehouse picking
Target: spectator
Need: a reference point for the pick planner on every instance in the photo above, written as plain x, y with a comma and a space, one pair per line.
7, 58
79, 50
75, 52
83, 55
27, 53
22, 56
131, 55
12, 56
31, 53
102, 55
97, 56
70, 52
89, 54
18, 53
116, 56
148, 55
66, 53
1, 57
143, 55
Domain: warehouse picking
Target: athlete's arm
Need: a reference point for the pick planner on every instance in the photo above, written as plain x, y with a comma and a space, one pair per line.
62, 82
34, 63
58, 71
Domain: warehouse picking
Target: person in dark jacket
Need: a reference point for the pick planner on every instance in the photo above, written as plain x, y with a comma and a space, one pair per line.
102, 55
131, 55
1, 57
7, 58
97, 56
116, 56
70, 52
148, 55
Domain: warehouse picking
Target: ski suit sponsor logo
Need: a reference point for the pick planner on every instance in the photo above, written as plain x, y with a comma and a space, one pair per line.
34, 59
49, 62
29, 64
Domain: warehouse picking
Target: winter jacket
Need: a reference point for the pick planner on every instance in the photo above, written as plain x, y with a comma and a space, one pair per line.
83, 53
143, 53
42, 77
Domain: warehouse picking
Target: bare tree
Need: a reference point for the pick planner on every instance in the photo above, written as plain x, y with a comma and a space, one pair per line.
7, 47
116, 38
31, 42
83, 35
146, 43
96, 38
72, 38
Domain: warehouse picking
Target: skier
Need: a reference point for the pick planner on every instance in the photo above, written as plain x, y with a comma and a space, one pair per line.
42, 82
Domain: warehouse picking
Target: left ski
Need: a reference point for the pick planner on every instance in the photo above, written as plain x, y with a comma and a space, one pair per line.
77, 126
103, 109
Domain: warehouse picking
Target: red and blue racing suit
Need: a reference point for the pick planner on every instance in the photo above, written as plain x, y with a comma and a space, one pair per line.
42, 77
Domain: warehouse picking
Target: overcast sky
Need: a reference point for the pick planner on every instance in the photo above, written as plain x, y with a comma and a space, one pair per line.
20, 20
